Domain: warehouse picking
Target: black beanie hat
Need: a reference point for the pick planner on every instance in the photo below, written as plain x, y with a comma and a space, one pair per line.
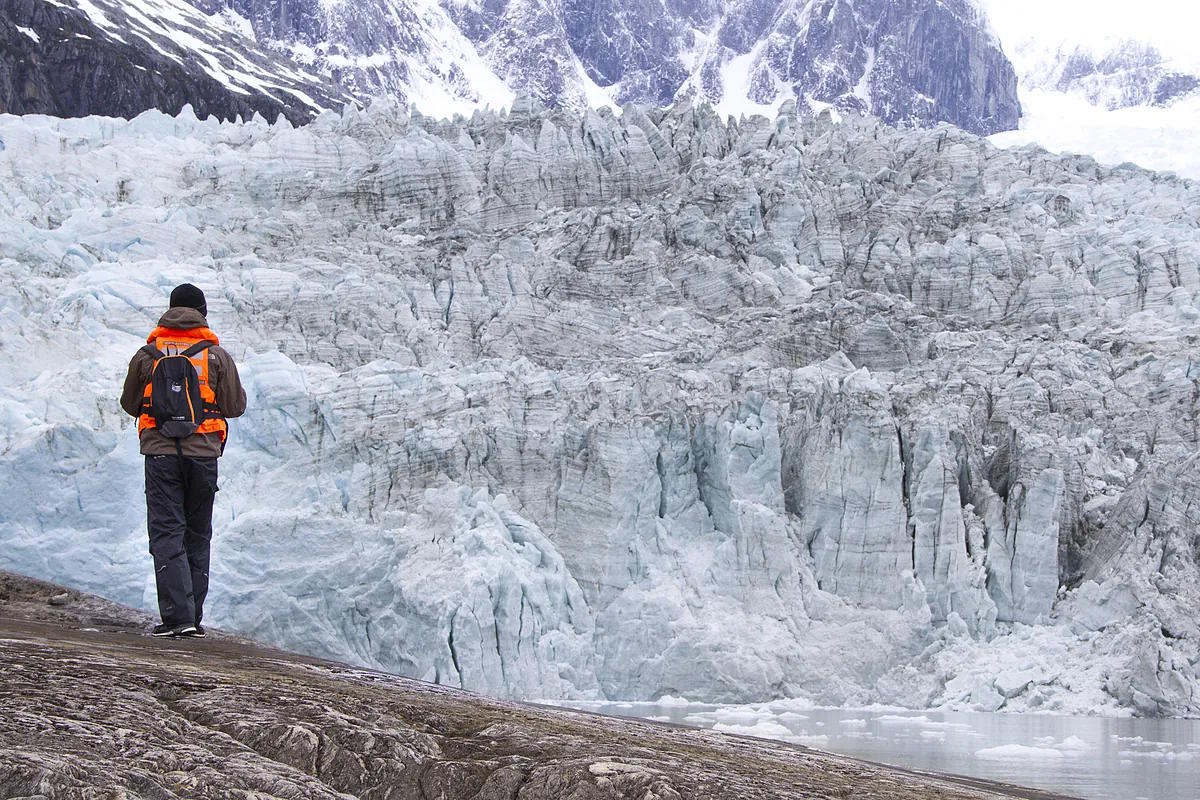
185, 295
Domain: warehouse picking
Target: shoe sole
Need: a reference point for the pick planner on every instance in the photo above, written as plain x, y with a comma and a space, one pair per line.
175, 633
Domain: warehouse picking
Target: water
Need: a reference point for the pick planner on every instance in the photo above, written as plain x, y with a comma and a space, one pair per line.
1096, 758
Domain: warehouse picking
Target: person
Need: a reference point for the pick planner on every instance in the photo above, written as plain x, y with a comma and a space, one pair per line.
181, 474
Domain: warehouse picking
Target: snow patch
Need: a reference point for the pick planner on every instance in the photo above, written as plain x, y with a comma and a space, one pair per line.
1151, 137
862, 90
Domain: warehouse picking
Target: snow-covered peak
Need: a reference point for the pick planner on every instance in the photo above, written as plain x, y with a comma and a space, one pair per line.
743, 55
409, 49
1114, 55
218, 44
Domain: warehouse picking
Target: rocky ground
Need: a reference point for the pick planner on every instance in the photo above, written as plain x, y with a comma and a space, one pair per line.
95, 708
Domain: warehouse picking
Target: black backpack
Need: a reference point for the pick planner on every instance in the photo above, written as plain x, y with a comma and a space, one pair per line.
175, 401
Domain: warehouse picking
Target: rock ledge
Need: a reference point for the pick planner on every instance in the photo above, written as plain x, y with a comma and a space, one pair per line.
96, 708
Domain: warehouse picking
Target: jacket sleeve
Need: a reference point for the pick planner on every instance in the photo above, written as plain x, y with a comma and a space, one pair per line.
231, 397
135, 384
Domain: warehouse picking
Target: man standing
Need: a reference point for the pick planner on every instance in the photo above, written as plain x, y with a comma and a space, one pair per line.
181, 473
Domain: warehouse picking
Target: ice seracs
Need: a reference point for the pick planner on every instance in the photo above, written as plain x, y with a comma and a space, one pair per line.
560, 405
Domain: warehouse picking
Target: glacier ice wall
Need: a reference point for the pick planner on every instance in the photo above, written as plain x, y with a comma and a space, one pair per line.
554, 405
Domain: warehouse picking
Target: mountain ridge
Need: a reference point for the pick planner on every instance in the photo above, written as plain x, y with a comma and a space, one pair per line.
914, 62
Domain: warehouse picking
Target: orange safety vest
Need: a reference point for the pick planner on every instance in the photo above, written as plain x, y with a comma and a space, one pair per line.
172, 341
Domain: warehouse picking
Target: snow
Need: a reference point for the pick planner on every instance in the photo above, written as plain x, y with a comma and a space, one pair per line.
1151, 137
95, 14
1038, 36
31, 34
862, 89
234, 22
597, 96
693, 57
427, 84
736, 74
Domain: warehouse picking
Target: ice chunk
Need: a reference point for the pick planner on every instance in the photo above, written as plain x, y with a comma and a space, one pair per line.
1018, 752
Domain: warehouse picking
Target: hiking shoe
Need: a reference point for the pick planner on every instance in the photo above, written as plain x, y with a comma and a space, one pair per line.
198, 633
168, 631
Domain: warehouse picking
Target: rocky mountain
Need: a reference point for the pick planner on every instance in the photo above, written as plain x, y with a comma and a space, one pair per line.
74, 58
95, 708
406, 49
1128, 73
906, 61
549, 404
1114, 56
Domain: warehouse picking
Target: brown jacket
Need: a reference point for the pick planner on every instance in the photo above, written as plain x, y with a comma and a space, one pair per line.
222, 377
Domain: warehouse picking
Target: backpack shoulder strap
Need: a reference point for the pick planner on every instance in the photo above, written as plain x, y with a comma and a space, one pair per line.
197, 348
153, 352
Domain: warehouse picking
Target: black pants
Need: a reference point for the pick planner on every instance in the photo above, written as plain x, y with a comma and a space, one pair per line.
179, 504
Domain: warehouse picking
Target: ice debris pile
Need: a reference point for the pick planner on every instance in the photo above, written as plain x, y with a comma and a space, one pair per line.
551, 405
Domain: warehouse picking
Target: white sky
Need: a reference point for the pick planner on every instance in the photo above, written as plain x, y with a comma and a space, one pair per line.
1170, 25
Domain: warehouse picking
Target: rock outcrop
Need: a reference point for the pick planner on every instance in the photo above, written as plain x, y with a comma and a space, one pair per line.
556, 405
94, 707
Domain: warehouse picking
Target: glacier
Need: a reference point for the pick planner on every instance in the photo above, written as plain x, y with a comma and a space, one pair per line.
558, 405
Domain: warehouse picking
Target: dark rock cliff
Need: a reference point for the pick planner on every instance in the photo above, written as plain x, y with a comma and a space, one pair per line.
905, 61
58, 61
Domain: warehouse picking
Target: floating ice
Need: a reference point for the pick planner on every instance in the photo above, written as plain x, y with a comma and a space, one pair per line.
1017, 752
